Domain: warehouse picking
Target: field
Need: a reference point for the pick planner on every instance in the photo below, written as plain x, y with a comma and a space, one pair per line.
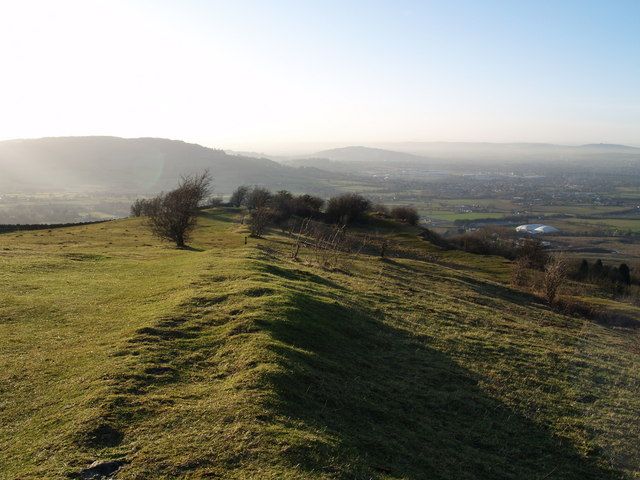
231, 360
583, 227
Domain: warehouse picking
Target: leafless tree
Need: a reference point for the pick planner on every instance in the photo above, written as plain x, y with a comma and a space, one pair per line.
137, 207
519, 271
555, 272
173, 215
260, 218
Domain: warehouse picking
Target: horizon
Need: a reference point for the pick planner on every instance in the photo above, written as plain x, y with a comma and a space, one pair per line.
296, 149
250, 76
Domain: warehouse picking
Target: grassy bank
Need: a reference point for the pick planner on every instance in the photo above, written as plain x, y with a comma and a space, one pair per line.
233, 361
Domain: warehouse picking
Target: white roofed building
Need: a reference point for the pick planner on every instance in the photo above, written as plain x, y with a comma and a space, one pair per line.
536, 228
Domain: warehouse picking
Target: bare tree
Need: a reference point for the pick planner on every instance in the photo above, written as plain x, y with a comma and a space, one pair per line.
141, 206
555, 272
260, 218
519, 271
173, 215
137, 207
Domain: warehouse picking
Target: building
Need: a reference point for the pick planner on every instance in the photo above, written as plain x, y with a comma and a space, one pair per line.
536, 228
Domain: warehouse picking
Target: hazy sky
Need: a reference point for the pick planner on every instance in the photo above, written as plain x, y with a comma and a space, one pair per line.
261, 74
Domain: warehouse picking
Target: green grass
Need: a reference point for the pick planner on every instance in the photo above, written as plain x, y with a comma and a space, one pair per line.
452, 216
624, 224
233, 361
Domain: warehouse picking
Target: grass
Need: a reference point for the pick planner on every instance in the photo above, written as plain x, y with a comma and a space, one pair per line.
622, 224
232, 361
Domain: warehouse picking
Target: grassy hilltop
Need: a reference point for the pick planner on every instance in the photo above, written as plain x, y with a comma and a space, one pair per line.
234, 361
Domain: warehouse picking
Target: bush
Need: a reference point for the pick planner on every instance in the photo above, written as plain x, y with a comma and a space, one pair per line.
282, 205
173, 215
625, 274
555, 273
532, 250
142, 206
486, 242
137, 207
213, 202
347, 208
259, 221
239, 196
257, 197
583, 270
405, 214
381, 210
520, 272
307, 206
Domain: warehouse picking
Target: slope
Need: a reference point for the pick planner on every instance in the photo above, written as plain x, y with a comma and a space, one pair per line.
232, 361
133, 166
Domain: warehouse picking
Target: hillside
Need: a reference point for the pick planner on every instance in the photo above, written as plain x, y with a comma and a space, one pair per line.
134, 166
230, 360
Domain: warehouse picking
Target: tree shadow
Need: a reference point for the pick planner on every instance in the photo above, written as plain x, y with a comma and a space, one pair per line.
189, 248
390, 406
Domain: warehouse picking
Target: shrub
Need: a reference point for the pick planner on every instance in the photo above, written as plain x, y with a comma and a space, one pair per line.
381, 210
259, 221
597, 270
583, 270
485, 242
141, 206
555, 273
173, 215
624, 273
519, 272
213, 202
405, 214
347, 208
257, 197
307, 206
532, 250
239, 196
282, 205
137, 207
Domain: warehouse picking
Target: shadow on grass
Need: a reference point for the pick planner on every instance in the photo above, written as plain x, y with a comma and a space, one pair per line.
389, 406
189, 248
217, 215
298, 275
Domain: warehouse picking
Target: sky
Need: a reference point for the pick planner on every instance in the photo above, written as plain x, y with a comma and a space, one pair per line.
279, 75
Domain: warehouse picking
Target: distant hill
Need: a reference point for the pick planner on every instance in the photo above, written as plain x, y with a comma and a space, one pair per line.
367, 154
137, 166
610, 147
447, 155
509, 151
354, 159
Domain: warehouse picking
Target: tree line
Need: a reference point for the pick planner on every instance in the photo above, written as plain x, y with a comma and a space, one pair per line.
604, 274
173, 215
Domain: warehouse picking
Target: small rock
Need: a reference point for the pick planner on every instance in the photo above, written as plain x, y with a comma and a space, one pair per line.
101, 469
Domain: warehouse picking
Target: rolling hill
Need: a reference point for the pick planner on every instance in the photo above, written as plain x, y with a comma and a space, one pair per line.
126, 358
134, 166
